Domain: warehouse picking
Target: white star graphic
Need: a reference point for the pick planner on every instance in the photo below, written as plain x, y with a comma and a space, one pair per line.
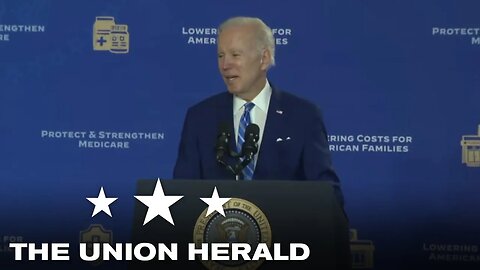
215, 203
158, 204
102, 203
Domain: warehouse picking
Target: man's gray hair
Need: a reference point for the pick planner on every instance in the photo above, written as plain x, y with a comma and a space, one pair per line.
264, 35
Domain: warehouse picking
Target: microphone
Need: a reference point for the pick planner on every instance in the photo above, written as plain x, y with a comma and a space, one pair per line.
222, 141
250, 146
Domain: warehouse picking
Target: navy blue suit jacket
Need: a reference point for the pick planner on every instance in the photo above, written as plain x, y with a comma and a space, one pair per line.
294, 144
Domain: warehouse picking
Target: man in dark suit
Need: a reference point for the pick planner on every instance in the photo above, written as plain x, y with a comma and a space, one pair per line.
293, 142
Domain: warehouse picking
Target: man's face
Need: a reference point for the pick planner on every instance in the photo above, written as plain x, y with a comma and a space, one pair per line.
240, 61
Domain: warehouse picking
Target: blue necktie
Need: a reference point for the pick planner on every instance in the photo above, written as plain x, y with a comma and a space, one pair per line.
244, 122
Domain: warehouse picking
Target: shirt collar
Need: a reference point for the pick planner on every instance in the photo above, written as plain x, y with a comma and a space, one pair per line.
261, 101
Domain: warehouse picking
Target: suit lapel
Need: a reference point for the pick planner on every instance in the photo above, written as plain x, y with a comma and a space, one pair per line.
267, 157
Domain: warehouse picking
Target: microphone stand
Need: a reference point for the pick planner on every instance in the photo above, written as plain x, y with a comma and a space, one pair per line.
248, 151
237, 169
227, 166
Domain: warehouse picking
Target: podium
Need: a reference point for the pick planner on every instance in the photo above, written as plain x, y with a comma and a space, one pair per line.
276, 212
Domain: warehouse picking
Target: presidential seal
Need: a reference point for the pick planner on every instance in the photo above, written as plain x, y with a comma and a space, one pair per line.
243, 222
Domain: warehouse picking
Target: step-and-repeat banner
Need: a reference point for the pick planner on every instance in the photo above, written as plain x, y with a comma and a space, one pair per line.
94, 93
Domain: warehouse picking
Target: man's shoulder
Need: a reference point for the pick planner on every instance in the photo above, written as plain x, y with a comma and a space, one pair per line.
288, 99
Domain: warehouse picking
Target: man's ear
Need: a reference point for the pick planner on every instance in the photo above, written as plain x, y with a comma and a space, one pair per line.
265, 59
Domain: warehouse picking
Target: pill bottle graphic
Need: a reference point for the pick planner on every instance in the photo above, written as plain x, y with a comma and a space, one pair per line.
120, 39
101, 33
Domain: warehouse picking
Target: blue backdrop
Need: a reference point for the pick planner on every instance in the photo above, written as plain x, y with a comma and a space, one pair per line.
398, 83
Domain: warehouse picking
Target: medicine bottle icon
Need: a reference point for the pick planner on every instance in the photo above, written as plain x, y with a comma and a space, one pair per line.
120, 39
102, 29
